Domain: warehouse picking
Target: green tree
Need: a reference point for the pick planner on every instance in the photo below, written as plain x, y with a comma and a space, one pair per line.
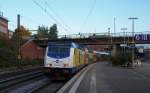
7, 54
42, 32
53, 33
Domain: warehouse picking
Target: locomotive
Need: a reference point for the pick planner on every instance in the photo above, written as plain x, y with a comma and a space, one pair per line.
63, 60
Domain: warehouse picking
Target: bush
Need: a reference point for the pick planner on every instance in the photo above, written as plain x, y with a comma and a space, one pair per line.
121, 59
104, 58
8, 55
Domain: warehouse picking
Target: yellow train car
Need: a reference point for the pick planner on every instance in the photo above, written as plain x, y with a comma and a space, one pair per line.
94, 57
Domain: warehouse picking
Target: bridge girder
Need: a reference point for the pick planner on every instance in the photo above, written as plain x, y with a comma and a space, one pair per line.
93, 41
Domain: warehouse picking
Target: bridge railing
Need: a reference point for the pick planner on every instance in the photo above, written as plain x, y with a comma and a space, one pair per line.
99, 35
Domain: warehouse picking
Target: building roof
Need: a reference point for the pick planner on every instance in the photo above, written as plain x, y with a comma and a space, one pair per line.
3, 18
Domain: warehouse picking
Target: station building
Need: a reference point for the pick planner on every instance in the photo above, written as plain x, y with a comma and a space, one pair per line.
31, 50
4, 26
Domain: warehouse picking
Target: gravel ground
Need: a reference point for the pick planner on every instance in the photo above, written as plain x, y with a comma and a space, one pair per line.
52, 87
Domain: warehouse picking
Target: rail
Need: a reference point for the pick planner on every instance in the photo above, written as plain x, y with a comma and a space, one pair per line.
8, 80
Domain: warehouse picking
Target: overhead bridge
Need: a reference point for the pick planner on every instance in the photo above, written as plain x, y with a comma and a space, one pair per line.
100, 38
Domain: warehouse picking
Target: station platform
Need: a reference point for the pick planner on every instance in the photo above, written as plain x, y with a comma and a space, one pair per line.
103, 78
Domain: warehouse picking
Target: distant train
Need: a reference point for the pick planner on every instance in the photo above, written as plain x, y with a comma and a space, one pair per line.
65, 59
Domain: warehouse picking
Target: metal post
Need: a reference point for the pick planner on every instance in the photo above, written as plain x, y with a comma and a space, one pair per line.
124, 29
114, 26
19, 43
124, 41
110, 37
133, 42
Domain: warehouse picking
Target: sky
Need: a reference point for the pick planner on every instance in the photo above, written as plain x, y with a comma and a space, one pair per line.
74, 16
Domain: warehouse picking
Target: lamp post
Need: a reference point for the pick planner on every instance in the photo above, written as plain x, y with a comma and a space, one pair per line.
18, 42
124, 29
114, 26
133, 42
109, 34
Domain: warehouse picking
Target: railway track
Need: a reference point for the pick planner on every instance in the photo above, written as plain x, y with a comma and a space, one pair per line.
19, 72
8, 82
13, 80
28, 81
52, 87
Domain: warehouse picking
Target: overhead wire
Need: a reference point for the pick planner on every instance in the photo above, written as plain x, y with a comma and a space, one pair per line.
30, 19
57, 15
87, 17
15, 26
44, 10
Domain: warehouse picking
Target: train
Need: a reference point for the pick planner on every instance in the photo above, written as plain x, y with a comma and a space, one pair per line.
62, 60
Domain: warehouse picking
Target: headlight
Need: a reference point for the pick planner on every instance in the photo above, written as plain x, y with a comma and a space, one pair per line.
66, 65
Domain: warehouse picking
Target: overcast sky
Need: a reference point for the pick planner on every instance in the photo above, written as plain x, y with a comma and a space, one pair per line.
83, 16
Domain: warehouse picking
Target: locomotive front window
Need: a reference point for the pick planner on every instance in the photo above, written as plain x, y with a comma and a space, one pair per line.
58, 51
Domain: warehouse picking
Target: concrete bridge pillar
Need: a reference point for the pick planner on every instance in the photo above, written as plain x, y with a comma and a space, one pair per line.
115, 48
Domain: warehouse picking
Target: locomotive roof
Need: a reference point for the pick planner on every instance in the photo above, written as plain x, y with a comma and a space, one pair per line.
69, 44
